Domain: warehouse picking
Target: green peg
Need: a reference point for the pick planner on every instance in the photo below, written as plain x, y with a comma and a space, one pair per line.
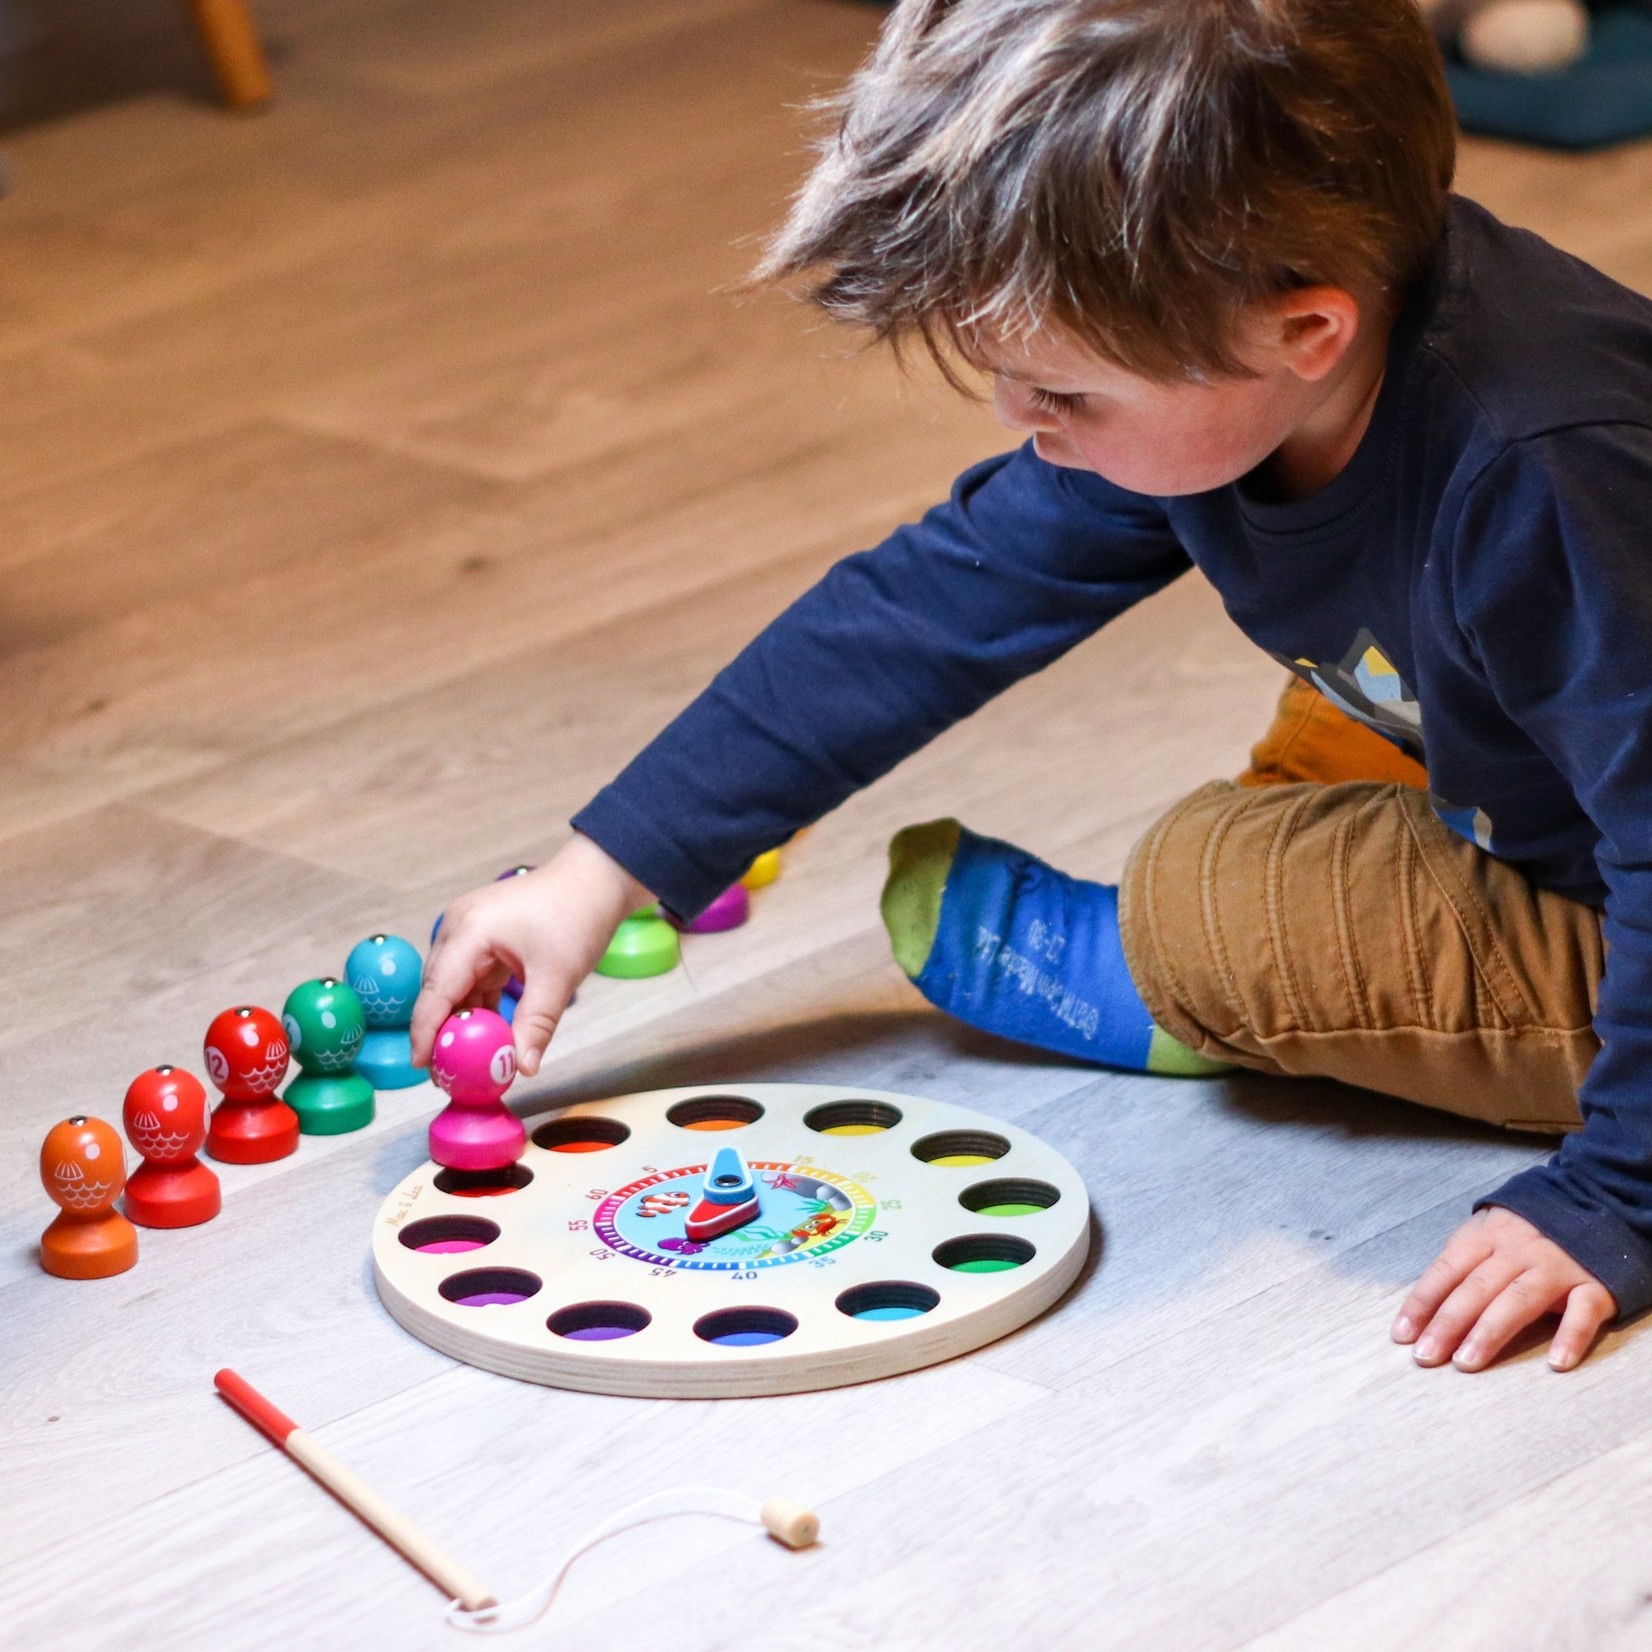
325, 1025
644, 944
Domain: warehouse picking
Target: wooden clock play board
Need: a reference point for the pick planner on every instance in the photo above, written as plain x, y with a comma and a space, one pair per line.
893, 1232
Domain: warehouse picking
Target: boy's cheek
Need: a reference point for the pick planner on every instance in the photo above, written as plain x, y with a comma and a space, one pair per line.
1167, 464
1158, 471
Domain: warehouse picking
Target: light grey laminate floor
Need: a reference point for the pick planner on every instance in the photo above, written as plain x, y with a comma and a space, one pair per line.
375, 475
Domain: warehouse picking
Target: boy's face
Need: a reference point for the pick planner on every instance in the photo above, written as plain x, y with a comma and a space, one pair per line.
1088, 413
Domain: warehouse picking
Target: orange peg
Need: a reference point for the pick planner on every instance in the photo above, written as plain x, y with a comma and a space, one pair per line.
84, 1170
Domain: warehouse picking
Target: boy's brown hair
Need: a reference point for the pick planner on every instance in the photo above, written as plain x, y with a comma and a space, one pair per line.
1130, 172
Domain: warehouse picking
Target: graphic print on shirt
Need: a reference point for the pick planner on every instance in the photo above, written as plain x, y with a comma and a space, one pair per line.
1368, 687
1474, 824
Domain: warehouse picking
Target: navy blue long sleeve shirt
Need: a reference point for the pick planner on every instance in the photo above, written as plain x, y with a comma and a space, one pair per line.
1476, 584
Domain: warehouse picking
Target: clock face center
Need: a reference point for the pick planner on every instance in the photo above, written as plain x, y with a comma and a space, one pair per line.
804, 1214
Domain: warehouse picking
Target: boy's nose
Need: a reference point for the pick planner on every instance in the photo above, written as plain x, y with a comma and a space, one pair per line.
1016, 410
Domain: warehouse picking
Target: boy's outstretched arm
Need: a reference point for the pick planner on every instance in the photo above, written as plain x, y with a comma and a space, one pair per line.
1497, 1275
890, 648
548, 926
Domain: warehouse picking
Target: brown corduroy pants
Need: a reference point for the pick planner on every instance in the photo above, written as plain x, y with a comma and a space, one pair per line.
1315, 918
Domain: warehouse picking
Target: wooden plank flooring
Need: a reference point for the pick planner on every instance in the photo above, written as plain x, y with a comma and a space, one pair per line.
374, 476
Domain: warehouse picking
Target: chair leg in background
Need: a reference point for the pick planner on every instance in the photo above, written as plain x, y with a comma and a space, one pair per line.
231, 40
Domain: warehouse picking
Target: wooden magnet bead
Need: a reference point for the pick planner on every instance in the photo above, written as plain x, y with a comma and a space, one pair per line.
383, 971
795, 1526
473, 1059
246, 1057
728, 911
165, 1115
325, 1025
763, 871
84, 1170
643, 945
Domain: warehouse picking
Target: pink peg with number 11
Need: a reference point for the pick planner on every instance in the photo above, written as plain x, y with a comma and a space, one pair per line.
474, 1061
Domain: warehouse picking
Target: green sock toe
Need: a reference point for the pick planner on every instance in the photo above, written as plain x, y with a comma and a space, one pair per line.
920, 857
1170, 1056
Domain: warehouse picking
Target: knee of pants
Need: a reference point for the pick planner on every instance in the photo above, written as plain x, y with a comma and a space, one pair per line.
1343, 932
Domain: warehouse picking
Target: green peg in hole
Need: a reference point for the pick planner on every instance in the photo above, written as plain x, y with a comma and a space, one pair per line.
643, 945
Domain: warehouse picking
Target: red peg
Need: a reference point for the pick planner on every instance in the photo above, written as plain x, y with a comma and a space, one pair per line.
246, 1057
166, 1120
84, 1169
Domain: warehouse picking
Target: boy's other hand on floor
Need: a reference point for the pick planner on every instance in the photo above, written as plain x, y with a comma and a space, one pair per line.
548, 926
1497, 1275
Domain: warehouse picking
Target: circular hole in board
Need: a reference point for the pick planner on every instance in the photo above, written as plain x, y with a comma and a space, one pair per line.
580, 1135
984, 1253
483, 1184
852, 1118
1009, 1196
599, 1321
956, 1148
744, 1327
489, 1287
714, 1113
447, 1235
887, 1299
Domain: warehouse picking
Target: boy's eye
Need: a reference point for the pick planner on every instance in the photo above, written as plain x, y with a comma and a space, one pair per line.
1053, 401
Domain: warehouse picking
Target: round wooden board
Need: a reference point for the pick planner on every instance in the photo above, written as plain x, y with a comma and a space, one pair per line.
851, 1224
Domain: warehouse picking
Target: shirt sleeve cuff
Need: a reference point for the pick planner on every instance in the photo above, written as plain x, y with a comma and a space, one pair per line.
1593, 1236
683, 884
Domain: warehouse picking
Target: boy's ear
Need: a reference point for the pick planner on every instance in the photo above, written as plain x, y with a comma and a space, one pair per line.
1314, 328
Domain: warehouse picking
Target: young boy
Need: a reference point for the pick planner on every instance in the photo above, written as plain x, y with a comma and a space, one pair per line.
1206, 253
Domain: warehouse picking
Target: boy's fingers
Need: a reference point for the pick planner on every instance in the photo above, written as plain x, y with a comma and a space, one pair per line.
450, 974
1520, 1303
1462, 1309
543, 1001
1588, 1308
491, 976
430, 1010
1441, 1277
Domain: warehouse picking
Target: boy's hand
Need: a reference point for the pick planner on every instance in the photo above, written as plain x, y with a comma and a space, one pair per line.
1496, 1275
548, 926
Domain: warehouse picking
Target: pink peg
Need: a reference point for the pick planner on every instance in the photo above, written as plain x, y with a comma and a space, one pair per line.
474, 1061
728, 911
